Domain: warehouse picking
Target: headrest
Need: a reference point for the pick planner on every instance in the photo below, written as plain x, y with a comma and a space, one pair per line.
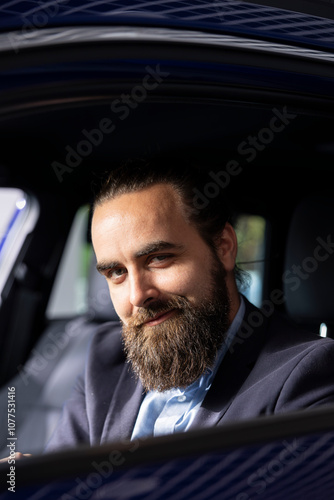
99, 302
309, 265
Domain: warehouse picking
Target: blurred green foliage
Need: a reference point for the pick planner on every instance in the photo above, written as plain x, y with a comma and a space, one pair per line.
250, 230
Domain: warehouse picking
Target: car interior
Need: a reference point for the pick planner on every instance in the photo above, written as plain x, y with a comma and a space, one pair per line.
258, 120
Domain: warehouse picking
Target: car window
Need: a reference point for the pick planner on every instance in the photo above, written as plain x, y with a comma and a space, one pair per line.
68, 297
251, 233
18, 216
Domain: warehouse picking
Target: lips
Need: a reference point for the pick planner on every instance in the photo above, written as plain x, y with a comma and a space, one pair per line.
159, 318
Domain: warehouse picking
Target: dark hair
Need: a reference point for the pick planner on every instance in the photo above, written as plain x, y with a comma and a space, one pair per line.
206, 210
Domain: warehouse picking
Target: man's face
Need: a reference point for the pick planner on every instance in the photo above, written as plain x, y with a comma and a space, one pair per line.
165, 283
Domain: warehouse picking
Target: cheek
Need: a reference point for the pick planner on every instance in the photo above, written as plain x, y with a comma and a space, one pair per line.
121, 304
190, 281
198, 282
179, 279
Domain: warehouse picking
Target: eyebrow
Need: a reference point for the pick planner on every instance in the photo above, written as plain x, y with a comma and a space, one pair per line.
155, 246
158, 246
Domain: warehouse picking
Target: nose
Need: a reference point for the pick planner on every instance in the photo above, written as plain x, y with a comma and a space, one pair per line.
142, 290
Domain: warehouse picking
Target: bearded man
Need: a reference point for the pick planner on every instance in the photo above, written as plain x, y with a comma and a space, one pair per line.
180, 357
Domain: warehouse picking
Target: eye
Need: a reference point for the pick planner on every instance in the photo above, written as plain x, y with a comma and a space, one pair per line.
116, 275
159, 259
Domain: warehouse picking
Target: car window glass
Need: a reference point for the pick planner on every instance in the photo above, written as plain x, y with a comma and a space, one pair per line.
251, 233
68, 297
18, 216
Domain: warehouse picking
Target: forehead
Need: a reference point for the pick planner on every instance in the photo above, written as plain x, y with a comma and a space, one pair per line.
154, 211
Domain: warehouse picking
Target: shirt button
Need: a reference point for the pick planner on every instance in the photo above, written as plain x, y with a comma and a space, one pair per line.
182, 398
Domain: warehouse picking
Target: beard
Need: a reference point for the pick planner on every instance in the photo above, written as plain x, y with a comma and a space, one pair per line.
179, 350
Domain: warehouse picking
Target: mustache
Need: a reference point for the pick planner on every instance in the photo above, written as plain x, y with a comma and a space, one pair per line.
158, 307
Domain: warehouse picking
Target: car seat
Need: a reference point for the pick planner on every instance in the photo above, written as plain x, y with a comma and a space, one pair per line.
309, 265
45, 381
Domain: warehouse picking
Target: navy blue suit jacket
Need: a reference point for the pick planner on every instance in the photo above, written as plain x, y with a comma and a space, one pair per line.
272, 367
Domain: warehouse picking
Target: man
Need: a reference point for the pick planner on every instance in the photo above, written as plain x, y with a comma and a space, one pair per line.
186, 355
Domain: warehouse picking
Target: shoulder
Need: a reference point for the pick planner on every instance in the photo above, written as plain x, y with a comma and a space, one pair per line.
106, 348
284, 334
286, 342
292, 368
107, 333
274, 336
277, 326
105, 365
306, 361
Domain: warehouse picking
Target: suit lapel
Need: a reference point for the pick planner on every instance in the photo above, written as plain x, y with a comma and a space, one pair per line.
234, 369
124, 407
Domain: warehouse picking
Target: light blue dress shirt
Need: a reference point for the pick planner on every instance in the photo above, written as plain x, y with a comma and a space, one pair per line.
174, 410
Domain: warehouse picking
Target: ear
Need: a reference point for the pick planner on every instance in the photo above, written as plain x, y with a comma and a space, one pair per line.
227, 247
